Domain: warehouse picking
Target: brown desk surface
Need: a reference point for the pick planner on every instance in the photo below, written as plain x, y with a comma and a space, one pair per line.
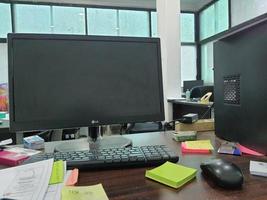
131, 184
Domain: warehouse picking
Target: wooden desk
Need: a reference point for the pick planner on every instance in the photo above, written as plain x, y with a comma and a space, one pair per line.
182, 107
131, 184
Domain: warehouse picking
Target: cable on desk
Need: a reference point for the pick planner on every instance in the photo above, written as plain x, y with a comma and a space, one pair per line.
205, 113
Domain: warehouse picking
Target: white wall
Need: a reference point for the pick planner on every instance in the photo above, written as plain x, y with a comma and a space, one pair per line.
3, 63
169, 33
243, 10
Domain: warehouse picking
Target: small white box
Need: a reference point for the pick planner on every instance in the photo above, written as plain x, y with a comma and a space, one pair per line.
258, 168
33, 142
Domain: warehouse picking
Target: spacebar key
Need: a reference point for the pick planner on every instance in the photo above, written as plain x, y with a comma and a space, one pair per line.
84, 163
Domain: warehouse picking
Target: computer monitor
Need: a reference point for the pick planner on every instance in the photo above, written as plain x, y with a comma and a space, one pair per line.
241, 87
188, 85
66, 81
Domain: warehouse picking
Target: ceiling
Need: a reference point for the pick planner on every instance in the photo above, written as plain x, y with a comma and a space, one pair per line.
193, 5
186, 5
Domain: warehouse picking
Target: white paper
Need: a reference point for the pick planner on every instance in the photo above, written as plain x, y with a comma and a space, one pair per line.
258, 168
23, 151
26, 182
6, 142
54, 191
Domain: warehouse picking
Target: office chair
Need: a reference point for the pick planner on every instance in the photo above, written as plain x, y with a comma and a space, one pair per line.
200, 91
143, 127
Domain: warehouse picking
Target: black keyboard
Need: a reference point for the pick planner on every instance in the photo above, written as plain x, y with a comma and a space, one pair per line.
142, 156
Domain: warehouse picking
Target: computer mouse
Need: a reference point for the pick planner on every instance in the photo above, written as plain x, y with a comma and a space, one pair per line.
223, 173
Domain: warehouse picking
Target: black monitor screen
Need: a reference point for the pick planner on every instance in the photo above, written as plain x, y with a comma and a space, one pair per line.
60, 81
188, 85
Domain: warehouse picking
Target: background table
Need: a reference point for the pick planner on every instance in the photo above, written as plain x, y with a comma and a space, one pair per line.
182, 107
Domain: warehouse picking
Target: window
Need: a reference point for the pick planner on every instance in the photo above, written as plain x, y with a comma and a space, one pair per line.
102, 21
207, 22
154, 25
32, 18
246, 9
207, 63
5, 19
68, 20
133, 23
187, 27
188, 63
221, 16
214, 19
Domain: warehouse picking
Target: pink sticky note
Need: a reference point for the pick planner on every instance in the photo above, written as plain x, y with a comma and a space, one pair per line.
186, 150
73, 179
249, 151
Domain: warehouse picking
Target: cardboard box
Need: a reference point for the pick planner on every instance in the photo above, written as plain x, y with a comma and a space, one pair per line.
200, 125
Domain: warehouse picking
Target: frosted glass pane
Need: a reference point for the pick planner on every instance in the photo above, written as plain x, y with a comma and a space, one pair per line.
102, 21
154, 24
222, 16
3, 63
5, 19
68, 20
187, 27
134, 23
32, 18
207, 22
244, 10
207, 63
188, 63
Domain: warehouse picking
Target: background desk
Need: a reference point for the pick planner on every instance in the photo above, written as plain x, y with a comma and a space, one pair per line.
5, 133
131, 184
182, 107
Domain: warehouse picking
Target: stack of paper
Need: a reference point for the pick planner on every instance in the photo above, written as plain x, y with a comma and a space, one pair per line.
25, 182
45, 180
171, 174
198, 146
58, 178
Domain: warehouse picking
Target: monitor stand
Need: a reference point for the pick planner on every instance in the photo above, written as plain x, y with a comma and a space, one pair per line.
95, 141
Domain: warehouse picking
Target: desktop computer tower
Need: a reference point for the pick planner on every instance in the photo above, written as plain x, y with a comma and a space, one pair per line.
240, 86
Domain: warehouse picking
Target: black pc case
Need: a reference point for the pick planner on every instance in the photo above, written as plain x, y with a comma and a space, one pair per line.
240, 87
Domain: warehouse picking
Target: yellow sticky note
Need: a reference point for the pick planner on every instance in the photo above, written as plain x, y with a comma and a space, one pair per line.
57, 175
199, 144
171, 174
94, 192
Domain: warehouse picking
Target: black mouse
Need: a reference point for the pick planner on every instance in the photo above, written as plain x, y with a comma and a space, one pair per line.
223, 173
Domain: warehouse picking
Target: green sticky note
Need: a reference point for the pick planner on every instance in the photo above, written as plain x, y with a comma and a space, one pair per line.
94, 192
57, 175
171, 174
